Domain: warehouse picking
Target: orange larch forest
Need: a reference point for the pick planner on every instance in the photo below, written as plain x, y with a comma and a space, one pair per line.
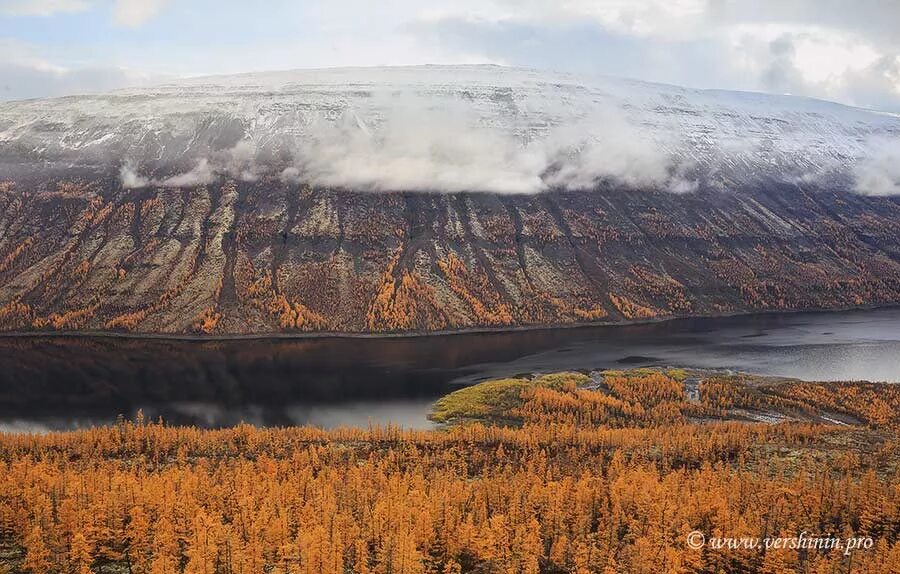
554, 474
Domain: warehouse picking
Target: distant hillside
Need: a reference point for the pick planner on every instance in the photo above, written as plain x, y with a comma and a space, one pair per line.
302, 201
268, 257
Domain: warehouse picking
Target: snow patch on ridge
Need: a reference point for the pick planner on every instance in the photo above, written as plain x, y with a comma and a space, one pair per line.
452, 128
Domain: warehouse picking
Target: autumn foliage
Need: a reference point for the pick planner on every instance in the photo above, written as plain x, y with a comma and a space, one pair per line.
207, 320
585, 491
86, 255
403, 302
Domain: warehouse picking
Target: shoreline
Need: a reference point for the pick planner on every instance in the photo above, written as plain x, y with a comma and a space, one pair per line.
188, 337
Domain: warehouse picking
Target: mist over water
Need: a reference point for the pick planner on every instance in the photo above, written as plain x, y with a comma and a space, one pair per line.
71, 382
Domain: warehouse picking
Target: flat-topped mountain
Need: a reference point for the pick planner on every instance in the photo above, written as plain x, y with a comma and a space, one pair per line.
457, 128
436, 198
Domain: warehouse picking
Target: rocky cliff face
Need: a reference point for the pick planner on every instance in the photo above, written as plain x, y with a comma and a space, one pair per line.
265, 256
436, 198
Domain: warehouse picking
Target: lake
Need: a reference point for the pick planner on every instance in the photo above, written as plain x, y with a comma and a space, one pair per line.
54, 383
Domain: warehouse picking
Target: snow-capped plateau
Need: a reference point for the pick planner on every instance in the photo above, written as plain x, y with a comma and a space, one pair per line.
452, 128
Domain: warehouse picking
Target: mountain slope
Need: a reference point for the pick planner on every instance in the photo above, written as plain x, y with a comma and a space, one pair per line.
264, 257
226, 220
401, 126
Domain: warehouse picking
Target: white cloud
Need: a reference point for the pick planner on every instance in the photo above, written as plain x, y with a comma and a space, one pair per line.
239, 162
130, 178
645, 18
41, 7
418, 147
202, 174
816, 62
879, 172
24, 74
129, 13
806, 47
613, 149
832, 49
133, 13
449, 149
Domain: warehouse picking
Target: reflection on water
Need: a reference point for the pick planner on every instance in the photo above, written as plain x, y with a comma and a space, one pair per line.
68, 382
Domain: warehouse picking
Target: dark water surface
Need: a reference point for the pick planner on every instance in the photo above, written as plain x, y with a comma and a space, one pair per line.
67, 382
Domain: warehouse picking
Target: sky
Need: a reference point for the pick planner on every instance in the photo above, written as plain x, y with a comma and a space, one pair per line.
841, 50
